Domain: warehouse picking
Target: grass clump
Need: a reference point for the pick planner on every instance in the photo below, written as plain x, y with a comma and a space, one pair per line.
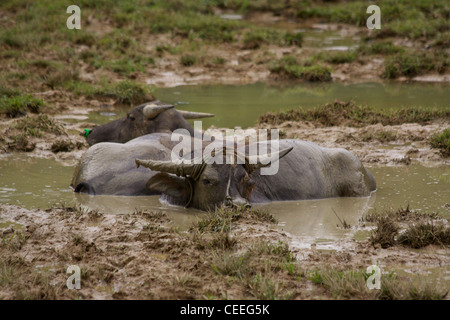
280, 250
188, 60
423, 234
221, 219
254, 38
442, 40
18, 136
410, 64
338, 57
290, 68
408, 228
16, 106
377, 47
441, 141
385, 233
351, 114
258, 268
352, 284
59, 77
229, 264
130, 92
265, 288
36, 126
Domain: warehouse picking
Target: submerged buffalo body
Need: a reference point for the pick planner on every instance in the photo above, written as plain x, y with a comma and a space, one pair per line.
306, 171
144, 119
109, 168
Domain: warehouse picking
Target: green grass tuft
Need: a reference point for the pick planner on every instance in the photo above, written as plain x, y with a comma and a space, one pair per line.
18, 105
348, 113
411, 64
441, 141
290, 68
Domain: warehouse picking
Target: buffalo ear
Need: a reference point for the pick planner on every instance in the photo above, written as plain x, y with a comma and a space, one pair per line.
171, 185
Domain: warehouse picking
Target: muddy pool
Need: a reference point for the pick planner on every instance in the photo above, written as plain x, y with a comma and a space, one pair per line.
41, 183
241, 105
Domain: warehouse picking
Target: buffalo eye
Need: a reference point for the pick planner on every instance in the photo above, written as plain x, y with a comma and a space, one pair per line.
130, 116
206, 182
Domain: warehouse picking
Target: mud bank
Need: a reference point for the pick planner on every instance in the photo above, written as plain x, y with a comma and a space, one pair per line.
137, 256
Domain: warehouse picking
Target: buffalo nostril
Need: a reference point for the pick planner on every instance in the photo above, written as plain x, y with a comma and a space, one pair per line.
237, 202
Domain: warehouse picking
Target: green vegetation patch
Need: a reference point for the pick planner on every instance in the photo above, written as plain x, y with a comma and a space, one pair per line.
338, 57
255, 37
18, 105
378, 47
351, 114
128, 92
411, 63
352, 284
291, 69
441, 141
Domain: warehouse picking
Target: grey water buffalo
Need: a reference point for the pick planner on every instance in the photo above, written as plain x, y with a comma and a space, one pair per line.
109, 168
144, 119
306, 171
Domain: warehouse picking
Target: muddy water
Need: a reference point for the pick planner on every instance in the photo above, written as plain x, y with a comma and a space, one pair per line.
34, 182
321, 221
41, 183
424, 189
241, 105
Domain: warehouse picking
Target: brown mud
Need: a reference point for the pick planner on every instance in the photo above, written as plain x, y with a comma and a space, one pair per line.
138, 256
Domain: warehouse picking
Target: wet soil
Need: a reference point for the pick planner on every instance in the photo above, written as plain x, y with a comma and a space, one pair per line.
137, 256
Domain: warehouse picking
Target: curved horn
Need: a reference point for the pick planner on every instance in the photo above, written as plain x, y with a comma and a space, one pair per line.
152, 110
274, 156
181, 169
194, 115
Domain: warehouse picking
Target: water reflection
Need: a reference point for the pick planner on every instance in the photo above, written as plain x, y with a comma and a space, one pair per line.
320, 220
179, 216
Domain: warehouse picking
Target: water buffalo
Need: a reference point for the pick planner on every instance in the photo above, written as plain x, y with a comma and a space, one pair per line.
109, 168
306, 171
144, 119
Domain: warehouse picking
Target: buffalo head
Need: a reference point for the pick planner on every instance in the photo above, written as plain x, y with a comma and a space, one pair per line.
206, 186
144, 119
